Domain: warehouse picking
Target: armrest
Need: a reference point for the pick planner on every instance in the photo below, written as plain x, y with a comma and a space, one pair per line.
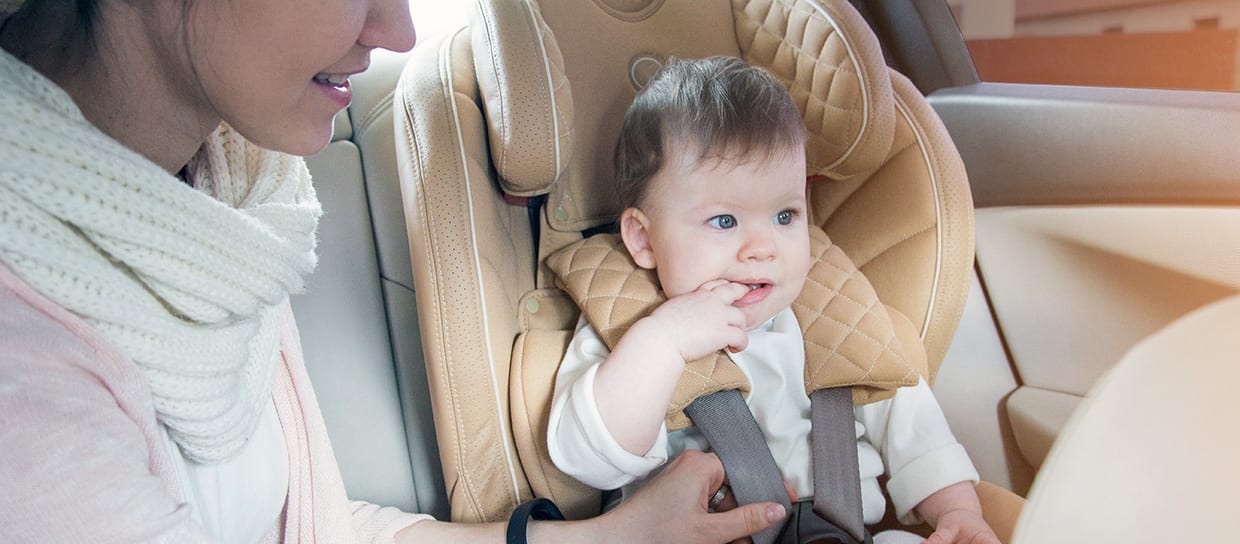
1000, 508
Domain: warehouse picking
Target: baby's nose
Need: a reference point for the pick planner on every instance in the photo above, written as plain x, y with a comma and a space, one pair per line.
758, 246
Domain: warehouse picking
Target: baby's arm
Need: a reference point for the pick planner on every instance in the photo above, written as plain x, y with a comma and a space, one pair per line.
929, 471
956, 516
634, 385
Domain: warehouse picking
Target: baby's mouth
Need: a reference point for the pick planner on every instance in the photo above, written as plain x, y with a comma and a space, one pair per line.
758, 291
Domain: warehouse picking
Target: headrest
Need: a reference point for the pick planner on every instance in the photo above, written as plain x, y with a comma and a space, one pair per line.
832, 64
528, 102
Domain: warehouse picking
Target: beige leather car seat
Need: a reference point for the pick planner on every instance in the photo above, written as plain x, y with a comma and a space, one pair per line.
1149, 456
504, 135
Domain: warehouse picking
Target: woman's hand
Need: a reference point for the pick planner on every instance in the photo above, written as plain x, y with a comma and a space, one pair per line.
672, 507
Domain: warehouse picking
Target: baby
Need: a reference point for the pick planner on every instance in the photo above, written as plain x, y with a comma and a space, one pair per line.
711, 171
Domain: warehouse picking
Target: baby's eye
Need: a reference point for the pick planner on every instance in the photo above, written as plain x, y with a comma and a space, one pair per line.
724, 221
784, 217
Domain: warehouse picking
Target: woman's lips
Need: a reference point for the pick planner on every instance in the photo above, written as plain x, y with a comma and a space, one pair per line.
336, 87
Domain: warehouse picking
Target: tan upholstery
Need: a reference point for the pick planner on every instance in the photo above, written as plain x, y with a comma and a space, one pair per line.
1150, 455
1000, 508
472, 260
849, 338
835, 73
529, 102
893, 196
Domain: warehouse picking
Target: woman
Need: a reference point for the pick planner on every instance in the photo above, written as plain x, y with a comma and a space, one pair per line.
151, 379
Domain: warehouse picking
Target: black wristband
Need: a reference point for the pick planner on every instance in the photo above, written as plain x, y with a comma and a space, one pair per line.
537, 509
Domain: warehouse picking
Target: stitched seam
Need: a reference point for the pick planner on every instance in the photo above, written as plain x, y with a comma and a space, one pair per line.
481, 292
897, 243
938, 213
555, 122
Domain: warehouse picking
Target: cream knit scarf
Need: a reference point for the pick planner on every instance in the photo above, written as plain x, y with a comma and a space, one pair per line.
188, 283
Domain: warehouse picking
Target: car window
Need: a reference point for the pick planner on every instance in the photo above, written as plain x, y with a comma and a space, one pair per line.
1163, 44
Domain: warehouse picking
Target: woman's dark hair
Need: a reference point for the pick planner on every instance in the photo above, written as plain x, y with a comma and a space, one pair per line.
721, 106
87, 13
69, 38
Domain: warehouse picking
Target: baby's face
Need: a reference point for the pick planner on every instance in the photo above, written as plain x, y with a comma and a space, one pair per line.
739, 220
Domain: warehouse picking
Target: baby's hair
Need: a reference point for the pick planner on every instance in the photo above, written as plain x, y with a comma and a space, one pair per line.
719, 106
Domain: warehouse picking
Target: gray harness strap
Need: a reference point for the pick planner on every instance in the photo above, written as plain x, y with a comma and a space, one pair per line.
729, 426
726, 422
837, 487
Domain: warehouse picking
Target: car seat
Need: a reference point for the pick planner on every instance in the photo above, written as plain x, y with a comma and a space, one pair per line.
504, 136
1148, 456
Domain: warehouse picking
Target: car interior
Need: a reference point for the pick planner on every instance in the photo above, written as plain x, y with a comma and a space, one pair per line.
1065, 255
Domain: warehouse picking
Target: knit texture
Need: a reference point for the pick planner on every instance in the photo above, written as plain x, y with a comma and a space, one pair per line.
186, 282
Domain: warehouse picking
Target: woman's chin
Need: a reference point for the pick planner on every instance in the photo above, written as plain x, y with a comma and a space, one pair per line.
302, 134
307, 143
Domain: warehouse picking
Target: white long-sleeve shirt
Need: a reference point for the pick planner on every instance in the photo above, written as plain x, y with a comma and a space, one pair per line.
906, 436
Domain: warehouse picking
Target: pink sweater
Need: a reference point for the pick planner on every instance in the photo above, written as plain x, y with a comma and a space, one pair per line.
82, 457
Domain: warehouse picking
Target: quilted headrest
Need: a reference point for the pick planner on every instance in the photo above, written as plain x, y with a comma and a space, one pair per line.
528, 102
832, 64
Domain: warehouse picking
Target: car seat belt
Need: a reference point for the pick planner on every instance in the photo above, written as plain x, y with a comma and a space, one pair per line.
728, 425
837, 476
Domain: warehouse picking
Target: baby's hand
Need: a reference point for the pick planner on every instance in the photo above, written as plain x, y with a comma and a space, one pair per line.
703, 321
962, 527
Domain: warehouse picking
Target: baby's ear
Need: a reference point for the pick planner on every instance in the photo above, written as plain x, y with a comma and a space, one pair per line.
635, 232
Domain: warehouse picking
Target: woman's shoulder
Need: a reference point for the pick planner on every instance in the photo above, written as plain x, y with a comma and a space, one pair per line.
64, 391
39, 337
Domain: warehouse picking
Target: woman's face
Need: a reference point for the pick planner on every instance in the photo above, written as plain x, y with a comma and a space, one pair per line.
277, 70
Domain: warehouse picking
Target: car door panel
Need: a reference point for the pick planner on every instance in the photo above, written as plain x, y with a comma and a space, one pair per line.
1102, 216
1046, 144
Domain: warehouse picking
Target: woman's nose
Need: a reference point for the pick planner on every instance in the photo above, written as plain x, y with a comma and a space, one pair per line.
388, 26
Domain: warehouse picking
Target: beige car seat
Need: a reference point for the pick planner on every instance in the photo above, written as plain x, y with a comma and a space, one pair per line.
504, 135
1149, 456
